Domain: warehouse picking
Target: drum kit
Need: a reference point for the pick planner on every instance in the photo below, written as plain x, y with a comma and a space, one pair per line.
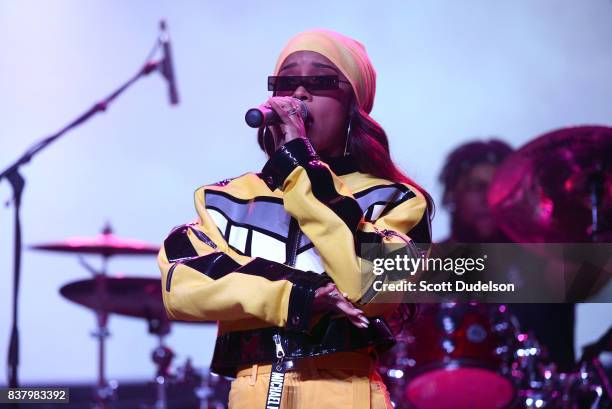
451, 355
133, 297
474, 356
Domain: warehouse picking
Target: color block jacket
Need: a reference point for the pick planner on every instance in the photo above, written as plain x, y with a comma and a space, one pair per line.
264, 242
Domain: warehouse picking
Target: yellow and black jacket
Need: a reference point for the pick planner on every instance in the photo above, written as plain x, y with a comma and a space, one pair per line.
264, 242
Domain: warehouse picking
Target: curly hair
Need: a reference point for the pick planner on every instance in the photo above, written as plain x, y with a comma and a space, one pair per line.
466, 156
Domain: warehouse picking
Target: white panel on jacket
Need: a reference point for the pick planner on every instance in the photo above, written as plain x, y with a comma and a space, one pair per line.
267, 247
376, 211
219, 219
310, 261
238, 237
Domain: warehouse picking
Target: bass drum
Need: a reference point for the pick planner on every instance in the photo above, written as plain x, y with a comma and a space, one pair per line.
454, 356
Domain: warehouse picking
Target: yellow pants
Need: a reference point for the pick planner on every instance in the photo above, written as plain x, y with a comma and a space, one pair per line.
341, 380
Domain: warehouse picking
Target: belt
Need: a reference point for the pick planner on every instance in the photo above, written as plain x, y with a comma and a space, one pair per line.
330, 336
349, 361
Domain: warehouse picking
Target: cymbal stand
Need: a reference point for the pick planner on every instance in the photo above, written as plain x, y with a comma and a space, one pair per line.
597, 230
105, 391
204, 391
162, 357
595, 193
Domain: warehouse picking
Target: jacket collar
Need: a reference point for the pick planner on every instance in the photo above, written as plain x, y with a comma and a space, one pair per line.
341, 165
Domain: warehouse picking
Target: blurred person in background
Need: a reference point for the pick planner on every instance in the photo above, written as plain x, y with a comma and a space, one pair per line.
466, 176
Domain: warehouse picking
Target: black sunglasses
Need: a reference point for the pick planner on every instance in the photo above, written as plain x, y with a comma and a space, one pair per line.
310, 82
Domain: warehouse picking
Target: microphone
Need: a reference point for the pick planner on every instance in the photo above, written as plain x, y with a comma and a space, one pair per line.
263, 115
167, 69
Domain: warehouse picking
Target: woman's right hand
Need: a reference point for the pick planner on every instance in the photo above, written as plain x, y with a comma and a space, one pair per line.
329, 298
292, 124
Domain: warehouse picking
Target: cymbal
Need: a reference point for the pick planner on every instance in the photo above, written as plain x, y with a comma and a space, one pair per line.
130, 296
543, 192
106, 244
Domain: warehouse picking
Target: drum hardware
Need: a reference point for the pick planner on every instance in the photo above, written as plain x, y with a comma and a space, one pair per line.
551, 389
140, 298
105, 390
162, 358
527, 358
559, 175
205, 392
453, 355
421, 372
209, 386
105, 244
96, 295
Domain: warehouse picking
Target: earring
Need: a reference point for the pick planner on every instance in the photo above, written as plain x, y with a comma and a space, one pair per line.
348, 134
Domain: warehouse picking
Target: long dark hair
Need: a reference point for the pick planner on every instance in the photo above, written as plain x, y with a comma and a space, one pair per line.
369, 146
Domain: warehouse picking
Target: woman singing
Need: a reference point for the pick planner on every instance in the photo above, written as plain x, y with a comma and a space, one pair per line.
275, 256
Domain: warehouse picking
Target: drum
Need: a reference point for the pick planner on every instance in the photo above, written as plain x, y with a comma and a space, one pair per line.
454, 356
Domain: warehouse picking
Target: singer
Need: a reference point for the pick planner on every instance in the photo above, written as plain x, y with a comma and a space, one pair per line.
274, 256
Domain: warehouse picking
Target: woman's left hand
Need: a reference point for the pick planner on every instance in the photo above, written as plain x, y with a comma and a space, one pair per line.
292, 126
329, 298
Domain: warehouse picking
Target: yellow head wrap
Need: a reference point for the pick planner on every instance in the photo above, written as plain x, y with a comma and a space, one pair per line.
348, 55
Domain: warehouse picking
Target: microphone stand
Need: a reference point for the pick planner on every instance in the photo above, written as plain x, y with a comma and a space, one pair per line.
17, 183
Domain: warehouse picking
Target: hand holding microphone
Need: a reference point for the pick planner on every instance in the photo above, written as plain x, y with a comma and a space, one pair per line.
284, 116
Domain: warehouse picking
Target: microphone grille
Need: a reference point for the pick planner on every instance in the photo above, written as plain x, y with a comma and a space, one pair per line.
303, 109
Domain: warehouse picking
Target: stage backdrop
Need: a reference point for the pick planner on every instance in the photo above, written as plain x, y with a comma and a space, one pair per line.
448, 72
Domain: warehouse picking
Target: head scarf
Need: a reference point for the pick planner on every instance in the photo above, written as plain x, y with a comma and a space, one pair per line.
348, 55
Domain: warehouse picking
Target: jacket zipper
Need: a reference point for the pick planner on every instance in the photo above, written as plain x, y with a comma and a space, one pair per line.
292, 244
280, 352
295, 234
412, 247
